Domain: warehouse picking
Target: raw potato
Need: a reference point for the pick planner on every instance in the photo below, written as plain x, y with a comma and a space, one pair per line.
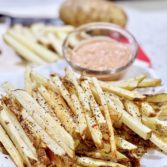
78, 12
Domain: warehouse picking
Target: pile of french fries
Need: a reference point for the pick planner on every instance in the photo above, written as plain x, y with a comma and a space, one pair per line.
39, 43
83, 122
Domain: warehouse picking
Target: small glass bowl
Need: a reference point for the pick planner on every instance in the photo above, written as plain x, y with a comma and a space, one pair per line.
100, 29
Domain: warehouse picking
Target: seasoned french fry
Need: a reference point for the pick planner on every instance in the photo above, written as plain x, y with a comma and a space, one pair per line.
52, 145
63, 91
105, 156
123, 144
56, 102
23, 51
130, 95
78, 111
136, 126
147, 109
149, 83
156, 125
158, 98
163, 111
11, 149
132, 109
56, 44
45, 120
106, 114
13, 132
92, 125
130, 84
39, 78
158, 141
43, 52
94, 106
90, 162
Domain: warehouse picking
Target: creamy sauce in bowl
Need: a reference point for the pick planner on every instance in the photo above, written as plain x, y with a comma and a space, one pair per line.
101, 53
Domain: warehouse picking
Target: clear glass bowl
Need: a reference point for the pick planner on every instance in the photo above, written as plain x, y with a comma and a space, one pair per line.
102, 30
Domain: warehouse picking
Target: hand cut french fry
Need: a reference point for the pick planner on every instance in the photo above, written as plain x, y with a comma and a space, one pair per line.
56, 44
9, 125
90, 162
149, 83
123, 144
147, 109
44, 119
23, 51
78, 111
158, 98
11, 149
106, 115
132, 109
158, 141
136, 126
105, 156
54, 29
63, 91
92, 125
45, 54
28, 82
130, 84
94, 106
130, 95
163, 111
39, 78
53, 146
55, 101
156, 125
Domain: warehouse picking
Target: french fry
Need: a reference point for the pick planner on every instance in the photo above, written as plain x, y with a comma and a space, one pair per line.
156, 125
55, 29
94, 106
132, 109
63, 91
115, 99
90, 162
158, 141
130, 95
149, 83
23, 51
39, 78
163, 111
91, 122
52, 145
105, 156
158, 98
45, 120
147, 109
41, 51
123, 144
130, 84
136, 126
56, 44
11, 149
82, 125
28, 84
106, 115
42, 102
16, 138
56, 102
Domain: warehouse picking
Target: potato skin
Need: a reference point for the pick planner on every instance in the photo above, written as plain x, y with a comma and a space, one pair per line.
78, 12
